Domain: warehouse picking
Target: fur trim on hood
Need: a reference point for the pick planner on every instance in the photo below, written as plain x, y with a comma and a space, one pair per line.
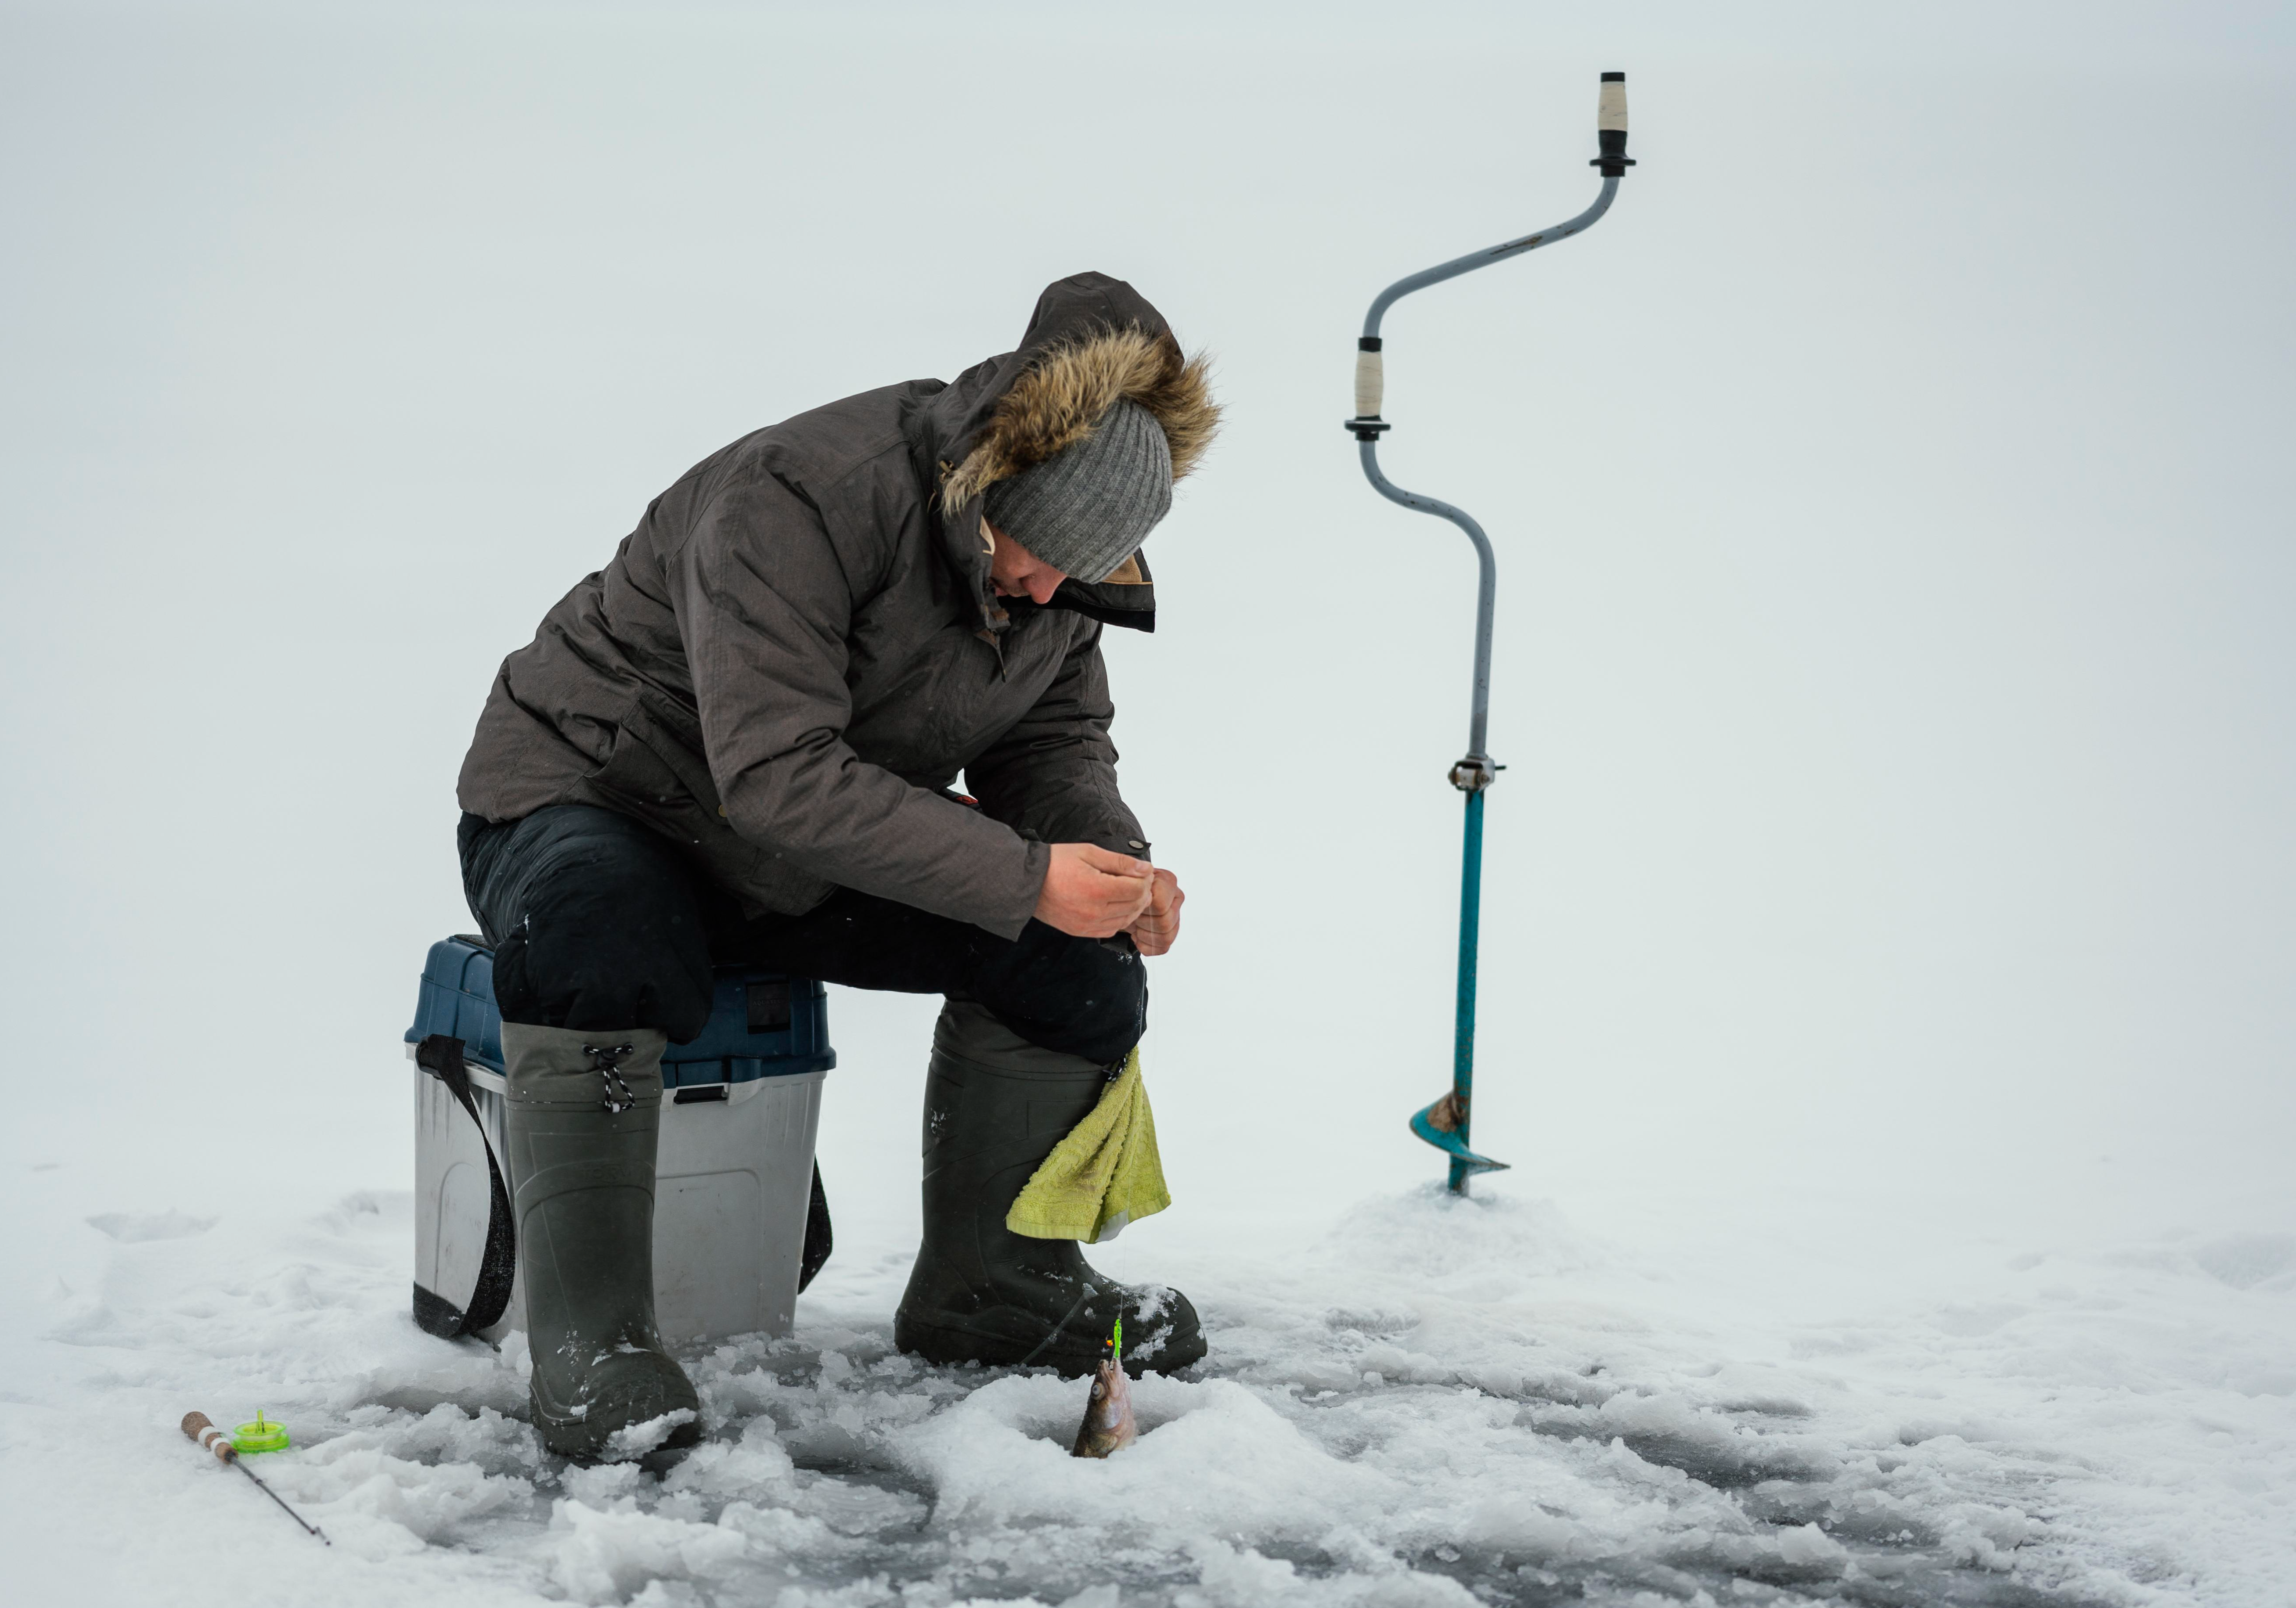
1064, 392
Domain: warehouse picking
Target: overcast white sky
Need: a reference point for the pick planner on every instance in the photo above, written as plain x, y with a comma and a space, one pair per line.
1893, 502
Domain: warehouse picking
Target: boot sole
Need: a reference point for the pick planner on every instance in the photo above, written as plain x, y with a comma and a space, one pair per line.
573, 1439
948, 1344
584, 1439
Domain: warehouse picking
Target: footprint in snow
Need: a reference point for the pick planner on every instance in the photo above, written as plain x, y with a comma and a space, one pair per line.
130, 1226
2245, 1261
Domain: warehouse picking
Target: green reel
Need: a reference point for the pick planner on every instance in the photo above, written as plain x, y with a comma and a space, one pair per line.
263, 1435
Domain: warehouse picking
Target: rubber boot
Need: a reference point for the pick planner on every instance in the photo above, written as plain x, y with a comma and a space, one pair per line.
583, 1116
995, 1107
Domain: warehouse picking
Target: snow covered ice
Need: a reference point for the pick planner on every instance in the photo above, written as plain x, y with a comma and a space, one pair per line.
1434, 1403
1893, 670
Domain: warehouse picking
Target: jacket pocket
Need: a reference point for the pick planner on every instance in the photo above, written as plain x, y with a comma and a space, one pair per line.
637, 780
634, 775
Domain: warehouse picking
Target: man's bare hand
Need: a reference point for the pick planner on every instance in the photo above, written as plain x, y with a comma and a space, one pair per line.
1159, 924
1090, 893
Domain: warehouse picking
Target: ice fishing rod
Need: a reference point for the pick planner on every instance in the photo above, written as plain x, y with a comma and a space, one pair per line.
199, 1427
1445, 1124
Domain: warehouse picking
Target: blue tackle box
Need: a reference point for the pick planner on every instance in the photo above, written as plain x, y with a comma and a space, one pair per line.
762, 1024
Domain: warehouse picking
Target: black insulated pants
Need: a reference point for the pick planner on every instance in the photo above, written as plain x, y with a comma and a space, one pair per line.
599, 924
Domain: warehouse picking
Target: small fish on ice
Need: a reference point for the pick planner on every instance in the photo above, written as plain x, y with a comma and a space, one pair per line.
1108, 1426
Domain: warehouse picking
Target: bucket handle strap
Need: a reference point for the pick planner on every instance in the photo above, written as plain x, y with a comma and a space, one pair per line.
441, 1055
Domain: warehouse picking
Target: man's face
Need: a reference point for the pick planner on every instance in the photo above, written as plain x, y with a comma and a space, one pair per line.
1018, 573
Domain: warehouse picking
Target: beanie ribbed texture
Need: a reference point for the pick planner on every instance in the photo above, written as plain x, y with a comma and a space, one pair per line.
1087, 508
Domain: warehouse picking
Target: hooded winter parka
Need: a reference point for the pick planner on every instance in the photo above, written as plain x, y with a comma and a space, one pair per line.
798, 648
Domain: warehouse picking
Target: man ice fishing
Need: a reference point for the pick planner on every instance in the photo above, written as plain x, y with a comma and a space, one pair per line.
737, 744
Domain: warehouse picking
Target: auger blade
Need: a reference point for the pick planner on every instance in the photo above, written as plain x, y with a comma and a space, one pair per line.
1438, 1125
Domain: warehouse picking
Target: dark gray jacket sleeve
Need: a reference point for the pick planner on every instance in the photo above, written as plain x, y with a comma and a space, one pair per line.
763, 605
1053, 774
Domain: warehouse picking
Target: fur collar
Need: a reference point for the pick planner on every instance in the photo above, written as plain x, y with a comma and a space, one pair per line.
1067, 387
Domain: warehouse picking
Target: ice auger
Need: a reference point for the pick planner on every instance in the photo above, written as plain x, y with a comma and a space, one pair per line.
1445, 1123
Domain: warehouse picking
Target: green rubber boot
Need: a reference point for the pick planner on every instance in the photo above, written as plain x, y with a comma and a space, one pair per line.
584, 1111
995, 1107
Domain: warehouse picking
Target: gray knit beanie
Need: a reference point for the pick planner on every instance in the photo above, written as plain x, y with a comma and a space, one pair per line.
1087, 508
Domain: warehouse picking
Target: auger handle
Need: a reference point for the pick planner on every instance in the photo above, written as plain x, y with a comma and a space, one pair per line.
1371, 374
1610, 126
1371, 377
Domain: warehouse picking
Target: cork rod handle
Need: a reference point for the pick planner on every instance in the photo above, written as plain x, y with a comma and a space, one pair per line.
198, 1427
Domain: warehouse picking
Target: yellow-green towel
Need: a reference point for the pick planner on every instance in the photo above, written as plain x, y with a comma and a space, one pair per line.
1103, 1175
